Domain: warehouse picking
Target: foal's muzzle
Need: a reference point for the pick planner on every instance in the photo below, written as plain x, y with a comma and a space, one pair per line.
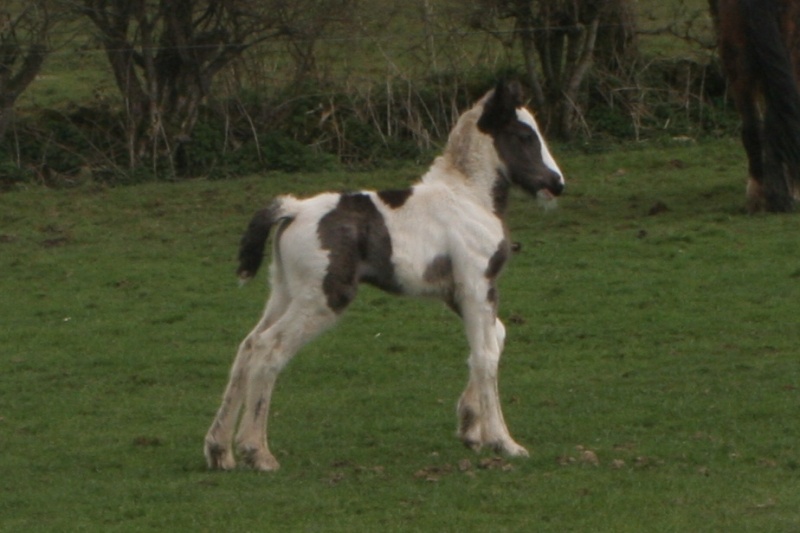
557, 188
554, 184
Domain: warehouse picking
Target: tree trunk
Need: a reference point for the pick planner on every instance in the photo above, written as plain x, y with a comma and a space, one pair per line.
6, 116
528, 45
165, 54
26, 58
582, 47
559, 40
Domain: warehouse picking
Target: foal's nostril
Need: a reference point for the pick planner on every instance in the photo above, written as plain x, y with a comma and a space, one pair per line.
557, 186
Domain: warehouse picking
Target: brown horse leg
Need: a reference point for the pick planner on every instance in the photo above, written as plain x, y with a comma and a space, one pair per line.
779, 167
752, 139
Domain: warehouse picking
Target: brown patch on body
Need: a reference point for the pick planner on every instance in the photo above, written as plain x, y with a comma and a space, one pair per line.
491, 295
439, 270
395, 198
360, 249
440, 273
497, 260
493, 270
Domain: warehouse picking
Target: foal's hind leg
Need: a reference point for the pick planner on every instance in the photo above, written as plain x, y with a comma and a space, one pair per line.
272, 350
218, 443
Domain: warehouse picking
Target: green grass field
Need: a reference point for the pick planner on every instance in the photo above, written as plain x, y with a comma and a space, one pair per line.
652, 325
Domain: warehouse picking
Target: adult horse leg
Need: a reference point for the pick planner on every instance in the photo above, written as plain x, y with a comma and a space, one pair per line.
480, 415
741, 71
758, 44
306, 316
218, 449
744, 96
780, 165
753, 141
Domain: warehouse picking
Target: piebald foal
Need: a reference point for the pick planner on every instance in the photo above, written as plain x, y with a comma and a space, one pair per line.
444, 237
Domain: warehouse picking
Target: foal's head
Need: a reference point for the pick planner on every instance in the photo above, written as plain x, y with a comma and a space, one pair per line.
521, 148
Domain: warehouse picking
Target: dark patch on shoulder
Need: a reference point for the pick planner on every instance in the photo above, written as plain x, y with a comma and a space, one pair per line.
497, 260
395, 198
359, 249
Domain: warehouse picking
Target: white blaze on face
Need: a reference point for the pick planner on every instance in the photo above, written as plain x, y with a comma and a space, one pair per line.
524, 116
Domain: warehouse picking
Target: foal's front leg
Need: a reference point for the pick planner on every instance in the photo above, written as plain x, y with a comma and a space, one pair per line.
481, 421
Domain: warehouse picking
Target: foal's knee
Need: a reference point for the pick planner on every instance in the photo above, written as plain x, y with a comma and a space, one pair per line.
270, 352
248, 343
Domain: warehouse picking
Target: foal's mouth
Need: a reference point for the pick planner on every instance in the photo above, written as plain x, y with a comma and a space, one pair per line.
546, 196
551, 192
547, 199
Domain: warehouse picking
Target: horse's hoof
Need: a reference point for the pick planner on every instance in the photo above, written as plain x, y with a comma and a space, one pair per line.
218, 457
472, 444
268, 464
518, 451
259, 459
511, 449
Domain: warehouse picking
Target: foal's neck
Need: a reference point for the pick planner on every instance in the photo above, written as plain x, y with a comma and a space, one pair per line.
484, 186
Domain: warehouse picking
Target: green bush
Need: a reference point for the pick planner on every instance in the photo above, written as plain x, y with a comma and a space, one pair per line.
11, 174
319, 125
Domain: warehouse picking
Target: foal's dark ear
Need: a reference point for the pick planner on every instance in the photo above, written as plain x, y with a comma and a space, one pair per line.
501, 107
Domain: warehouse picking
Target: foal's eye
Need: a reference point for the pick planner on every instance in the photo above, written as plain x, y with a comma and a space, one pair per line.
525, 136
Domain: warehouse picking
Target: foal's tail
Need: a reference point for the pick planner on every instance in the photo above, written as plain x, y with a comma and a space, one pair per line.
251, 248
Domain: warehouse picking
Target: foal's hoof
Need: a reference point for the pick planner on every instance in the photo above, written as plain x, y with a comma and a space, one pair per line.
472, 444
269, 464
260, 460
515, 450
510, 449
218, 457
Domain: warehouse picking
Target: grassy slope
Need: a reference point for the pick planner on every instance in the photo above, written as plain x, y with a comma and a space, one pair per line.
666, 343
